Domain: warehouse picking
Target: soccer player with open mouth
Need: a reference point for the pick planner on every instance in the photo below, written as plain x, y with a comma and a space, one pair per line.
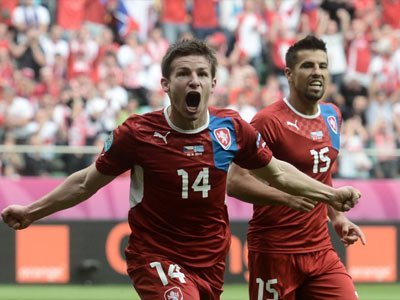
179, 159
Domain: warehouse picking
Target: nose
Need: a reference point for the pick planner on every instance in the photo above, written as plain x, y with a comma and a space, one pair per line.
317, 71
194, 80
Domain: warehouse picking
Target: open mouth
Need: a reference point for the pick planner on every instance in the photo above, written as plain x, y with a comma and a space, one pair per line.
316, 84
193, 99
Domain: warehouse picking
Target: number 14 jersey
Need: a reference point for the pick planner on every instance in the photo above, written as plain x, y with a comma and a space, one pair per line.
178, 180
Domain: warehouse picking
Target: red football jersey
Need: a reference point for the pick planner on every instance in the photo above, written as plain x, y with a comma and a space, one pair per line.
311, 144
178, 181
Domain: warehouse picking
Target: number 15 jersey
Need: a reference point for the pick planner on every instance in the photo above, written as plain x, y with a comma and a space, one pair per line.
311, 144
178, 180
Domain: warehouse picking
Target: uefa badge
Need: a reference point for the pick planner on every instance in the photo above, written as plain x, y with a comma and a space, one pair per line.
333, 124
174, 293
223, 137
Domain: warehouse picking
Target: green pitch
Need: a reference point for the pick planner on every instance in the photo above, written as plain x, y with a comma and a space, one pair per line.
124, 292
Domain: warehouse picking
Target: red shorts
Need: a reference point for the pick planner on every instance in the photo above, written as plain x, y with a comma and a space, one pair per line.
162, 279
303, 276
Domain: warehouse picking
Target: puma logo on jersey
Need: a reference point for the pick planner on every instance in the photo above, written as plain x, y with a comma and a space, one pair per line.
293, 124
163, 137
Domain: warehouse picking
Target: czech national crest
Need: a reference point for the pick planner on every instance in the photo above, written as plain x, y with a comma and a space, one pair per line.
333, 124
174, 293
223, 137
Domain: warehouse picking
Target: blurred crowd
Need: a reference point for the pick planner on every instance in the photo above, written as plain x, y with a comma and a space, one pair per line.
71, 71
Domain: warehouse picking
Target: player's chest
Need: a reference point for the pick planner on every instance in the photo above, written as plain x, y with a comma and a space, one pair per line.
310, 145
165, 150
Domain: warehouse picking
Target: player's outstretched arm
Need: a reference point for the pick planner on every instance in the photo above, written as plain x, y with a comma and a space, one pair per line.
244, 186
348, 232
287, 178
76, 188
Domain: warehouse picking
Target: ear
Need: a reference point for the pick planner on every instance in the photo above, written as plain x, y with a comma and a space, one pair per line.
165, 84
213, 84
288, 74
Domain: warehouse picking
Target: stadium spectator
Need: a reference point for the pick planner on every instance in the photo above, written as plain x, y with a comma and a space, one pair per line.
204, 18
351, 88
391, 13
173, 215
359, 51
28, 52
18, 112
174, 19
380, 108
355, 163
54, 44
83, 53
384, 141
6, 67
250, 34
333, 35
29, 15
134, 60
291, 252
7, 7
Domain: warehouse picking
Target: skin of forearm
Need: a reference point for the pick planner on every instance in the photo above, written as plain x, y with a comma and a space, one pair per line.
71, 192
333, 214
287, 178
244, 186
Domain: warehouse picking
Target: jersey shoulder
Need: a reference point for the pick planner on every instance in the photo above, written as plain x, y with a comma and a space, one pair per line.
272, 112
223, 113
328, 106
136, 122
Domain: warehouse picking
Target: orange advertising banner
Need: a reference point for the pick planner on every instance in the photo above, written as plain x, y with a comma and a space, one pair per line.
42, 254
377, 260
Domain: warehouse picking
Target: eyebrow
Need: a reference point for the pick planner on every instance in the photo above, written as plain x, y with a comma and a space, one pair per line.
188, 69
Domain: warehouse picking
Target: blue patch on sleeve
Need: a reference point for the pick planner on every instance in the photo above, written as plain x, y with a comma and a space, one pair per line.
224, 145
331, 119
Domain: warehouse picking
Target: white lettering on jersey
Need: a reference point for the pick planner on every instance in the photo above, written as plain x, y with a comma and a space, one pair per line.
293, 124
163, 137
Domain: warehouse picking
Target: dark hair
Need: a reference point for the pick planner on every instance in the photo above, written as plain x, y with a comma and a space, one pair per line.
186, 48
310, 42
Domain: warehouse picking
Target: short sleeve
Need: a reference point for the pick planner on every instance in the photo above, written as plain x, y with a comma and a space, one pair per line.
118, 154
253, 152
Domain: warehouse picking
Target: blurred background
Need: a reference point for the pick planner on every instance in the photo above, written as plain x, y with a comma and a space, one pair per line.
72, 70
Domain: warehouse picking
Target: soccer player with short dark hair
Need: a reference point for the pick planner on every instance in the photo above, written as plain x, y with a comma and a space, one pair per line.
179, 159
290, 252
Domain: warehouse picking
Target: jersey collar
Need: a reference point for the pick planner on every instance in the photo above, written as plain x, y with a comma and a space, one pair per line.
316, 115
191, 131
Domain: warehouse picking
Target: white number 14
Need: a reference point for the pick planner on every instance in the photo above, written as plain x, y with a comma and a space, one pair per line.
199, 185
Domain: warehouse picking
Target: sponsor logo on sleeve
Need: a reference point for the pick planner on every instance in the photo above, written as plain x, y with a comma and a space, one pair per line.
223, 137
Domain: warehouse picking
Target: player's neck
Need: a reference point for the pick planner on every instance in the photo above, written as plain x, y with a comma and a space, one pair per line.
308, 108
181, 123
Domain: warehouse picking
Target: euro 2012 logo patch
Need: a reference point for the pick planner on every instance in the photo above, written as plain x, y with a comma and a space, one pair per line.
108, 142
